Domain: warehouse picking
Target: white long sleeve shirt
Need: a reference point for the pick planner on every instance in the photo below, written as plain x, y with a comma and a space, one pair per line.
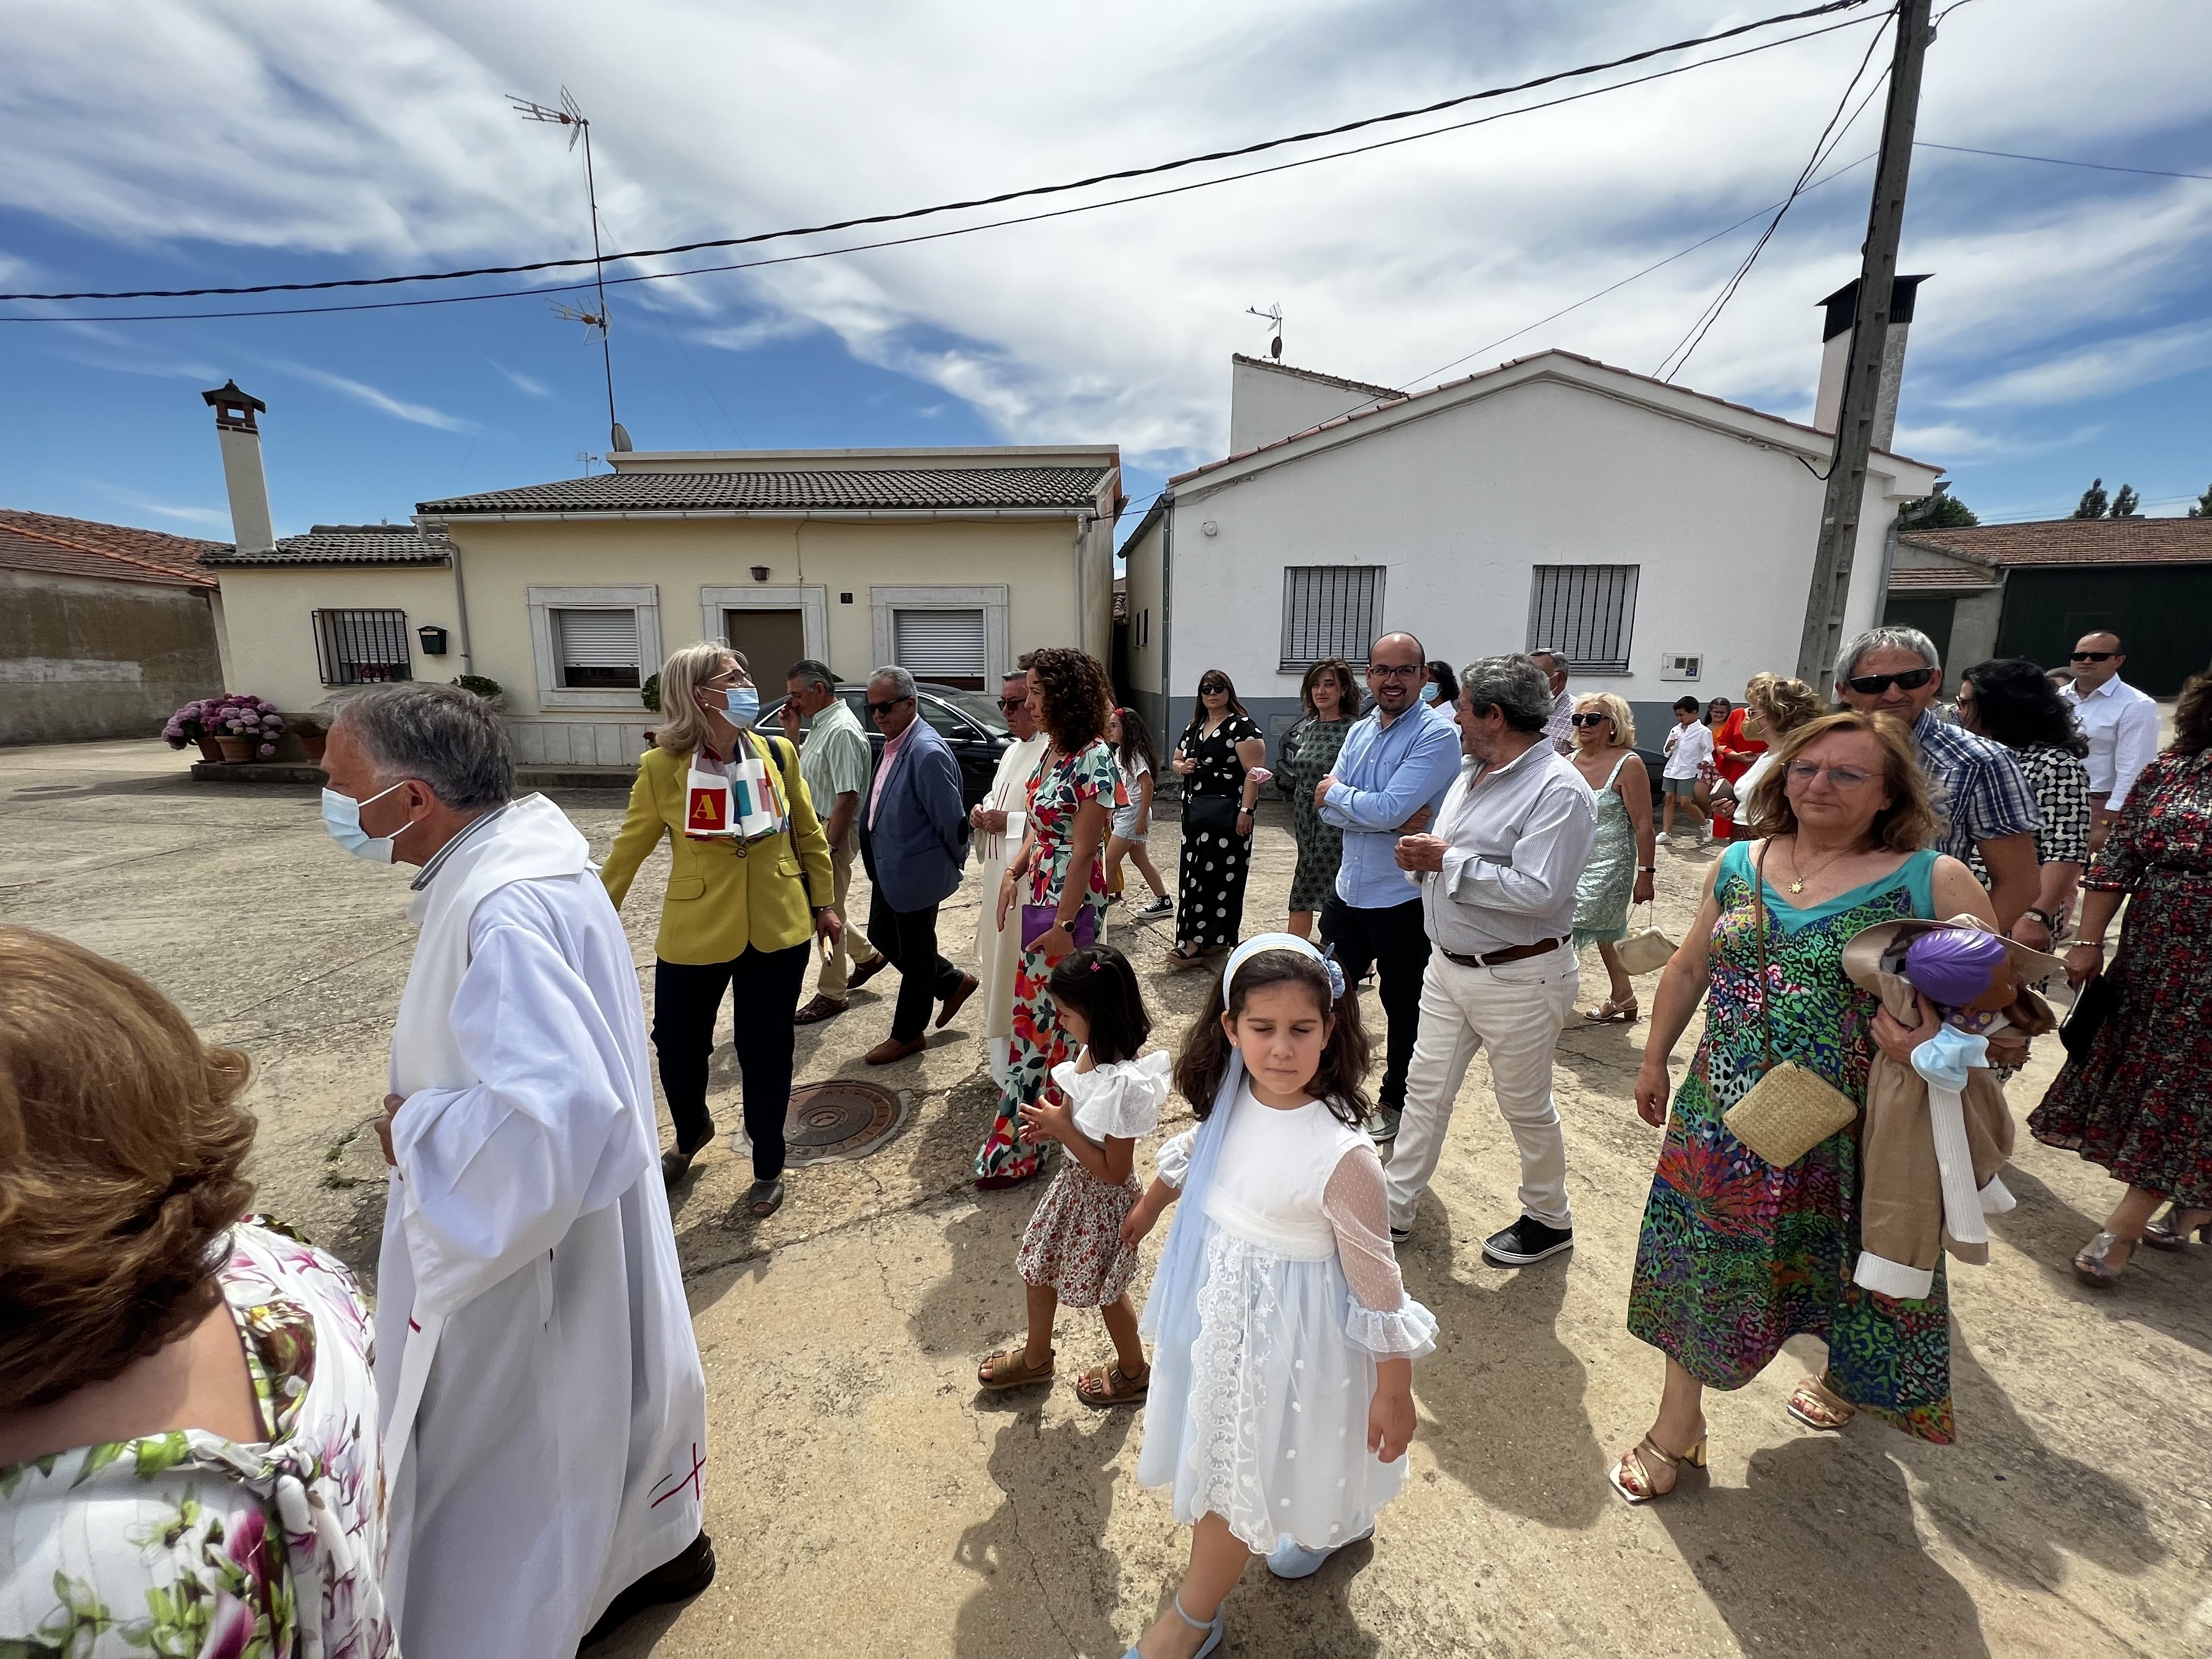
1519, 836
2122, 726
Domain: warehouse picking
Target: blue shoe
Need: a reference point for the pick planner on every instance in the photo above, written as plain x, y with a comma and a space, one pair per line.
1292, 1559
1216, 1627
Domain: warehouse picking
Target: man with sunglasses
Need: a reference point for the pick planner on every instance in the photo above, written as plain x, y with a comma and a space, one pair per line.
1388, 780
1986, 803
2120, 722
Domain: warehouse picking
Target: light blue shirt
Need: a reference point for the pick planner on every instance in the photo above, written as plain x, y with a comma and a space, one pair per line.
1385, 774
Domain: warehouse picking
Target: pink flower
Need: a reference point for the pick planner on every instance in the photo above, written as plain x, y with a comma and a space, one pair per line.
230, 1628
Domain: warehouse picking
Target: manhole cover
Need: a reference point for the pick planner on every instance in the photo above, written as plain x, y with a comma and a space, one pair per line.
839, 1119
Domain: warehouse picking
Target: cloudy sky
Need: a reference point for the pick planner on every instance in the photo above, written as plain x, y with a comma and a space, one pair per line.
2066, 332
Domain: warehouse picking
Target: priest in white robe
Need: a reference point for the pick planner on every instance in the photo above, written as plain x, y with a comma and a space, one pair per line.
543, 1407
997, 946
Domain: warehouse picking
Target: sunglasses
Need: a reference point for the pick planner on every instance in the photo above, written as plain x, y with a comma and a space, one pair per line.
1009, 704
1212, 690
886, 707
1873, 685
1589, 719
2094, 656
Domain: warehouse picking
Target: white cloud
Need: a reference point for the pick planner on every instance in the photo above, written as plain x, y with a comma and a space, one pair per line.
520, 381
361, 391
753, 333
2109, 366
214, 518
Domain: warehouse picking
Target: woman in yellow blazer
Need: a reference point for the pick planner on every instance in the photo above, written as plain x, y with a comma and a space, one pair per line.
736, 918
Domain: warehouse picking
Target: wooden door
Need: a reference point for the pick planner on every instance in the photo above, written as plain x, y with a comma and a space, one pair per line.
772, 641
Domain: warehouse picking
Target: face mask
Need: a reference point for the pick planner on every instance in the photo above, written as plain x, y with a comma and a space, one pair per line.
743, 704
342, 817
1430, 691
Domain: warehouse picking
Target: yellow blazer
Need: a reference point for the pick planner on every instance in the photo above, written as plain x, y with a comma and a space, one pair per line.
723, 895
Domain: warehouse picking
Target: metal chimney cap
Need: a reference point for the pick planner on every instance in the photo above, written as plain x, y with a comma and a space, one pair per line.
1843, 305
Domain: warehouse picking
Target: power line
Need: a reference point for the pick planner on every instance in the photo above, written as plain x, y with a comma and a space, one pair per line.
2059, 161
1830, 6
960, 230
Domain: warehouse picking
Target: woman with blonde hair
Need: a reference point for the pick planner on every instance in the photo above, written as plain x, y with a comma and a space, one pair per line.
1622, 858
1777, 706
750, 883
1738, 1256
188, 1451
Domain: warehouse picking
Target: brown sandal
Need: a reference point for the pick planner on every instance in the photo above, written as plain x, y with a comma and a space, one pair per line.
1010, 1368
1112, 1387
1815, 1404
1631, 1476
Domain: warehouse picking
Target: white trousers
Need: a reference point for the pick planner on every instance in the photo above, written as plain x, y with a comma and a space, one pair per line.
1516, 1011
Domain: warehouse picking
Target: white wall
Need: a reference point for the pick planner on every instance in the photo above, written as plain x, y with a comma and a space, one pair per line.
1267, 404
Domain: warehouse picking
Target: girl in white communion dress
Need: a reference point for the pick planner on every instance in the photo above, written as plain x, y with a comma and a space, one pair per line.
1281, 1401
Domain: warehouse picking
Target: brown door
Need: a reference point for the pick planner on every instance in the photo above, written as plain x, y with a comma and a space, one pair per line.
771, 640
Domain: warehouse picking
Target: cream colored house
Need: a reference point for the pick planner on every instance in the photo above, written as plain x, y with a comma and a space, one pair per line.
951, 562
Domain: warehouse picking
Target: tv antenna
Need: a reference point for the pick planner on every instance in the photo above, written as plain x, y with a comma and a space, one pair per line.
571, 116
1272, 316
586, 457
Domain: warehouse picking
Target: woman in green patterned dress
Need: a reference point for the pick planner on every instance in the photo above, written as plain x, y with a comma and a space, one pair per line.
1309, 750
1736, 1255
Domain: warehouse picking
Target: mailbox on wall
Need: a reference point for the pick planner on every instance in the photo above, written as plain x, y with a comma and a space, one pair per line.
434, 640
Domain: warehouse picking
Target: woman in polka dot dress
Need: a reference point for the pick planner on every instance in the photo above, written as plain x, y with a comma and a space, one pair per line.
1215, 759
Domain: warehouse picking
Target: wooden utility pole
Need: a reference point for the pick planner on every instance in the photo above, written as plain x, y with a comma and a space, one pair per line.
1840, 512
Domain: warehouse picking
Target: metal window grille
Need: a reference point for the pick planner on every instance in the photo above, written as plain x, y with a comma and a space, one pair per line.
1587, 612
1330, 611
940, 645
596, 650
361, 648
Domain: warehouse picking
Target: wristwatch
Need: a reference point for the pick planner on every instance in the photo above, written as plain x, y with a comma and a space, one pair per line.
1647, 869
2050, 922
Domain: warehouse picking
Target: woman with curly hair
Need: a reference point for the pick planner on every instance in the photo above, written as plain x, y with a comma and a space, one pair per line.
1331, 700
1057, 880
2014, 702
188, 1453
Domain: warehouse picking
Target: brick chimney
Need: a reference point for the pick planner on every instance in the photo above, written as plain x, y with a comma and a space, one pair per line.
1842, 310
250, 524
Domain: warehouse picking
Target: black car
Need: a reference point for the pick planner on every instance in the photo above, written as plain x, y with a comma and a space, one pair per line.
968, 721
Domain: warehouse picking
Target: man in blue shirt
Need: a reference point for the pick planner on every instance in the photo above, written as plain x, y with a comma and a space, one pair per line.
1390, 777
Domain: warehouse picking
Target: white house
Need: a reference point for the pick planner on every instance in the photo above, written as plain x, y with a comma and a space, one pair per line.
1663, 539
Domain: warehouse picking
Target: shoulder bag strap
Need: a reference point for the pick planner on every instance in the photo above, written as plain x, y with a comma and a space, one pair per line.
1758, 862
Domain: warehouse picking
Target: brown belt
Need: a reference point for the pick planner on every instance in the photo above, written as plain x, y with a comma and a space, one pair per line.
1510, 953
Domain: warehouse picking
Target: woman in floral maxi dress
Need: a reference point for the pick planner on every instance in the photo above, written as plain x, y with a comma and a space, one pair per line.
1072, 801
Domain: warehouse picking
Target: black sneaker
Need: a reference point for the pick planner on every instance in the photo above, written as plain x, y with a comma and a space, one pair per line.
1526, 1241
1381, 1125
1158, 910
1399, 1235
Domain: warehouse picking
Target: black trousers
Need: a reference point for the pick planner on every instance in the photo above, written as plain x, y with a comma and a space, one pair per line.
763, 986
1397, 943
909, 938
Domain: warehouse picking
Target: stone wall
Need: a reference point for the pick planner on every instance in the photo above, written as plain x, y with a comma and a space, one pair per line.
83, 657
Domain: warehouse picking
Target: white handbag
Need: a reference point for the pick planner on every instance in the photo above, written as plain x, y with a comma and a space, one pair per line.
1644, 950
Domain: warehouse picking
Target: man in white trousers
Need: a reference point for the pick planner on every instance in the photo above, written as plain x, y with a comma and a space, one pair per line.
543, 1408
1497, 894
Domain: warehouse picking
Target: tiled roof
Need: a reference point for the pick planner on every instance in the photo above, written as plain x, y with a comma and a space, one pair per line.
39, 541
919, 488
1397, 400
1923, 578
350, 543
24, 548
1316, 376
2075, 541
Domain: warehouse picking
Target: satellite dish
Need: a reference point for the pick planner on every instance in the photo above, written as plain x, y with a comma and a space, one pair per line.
619, 440
1275, 348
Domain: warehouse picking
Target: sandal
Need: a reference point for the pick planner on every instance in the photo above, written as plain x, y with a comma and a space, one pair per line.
1182, 959
1631, 1476
1105, 1386
1010, 1368
2095, 1267
1815, 1404
2177, 1227
1610, 1012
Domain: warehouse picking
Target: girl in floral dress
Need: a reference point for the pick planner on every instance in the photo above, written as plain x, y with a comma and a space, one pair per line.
1059, 880
1073, 1251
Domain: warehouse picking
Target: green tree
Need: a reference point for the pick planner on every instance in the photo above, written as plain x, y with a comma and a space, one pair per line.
2125, 503
1942, 511
2204, 508
2093, 500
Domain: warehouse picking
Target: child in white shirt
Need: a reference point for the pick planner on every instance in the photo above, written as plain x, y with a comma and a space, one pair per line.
1689, 749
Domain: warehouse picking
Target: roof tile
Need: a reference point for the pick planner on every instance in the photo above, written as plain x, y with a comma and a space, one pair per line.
151, 551
350, 543
2075, 541
920, 488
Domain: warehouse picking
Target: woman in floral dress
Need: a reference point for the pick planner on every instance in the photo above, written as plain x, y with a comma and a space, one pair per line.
2138, 1098
1737, 1257
1072, 801
188, 1456
1309, 751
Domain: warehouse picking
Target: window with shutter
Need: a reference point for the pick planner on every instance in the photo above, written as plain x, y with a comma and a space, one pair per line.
596, 650
946, 645
1330, 611
361, 648
1587, 612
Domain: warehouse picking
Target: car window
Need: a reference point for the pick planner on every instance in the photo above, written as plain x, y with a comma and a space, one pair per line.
950, 723
979, 708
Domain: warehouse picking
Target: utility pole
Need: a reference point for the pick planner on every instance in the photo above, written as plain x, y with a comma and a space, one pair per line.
1841, 510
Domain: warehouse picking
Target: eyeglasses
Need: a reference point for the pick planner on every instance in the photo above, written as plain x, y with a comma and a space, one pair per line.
1589, 719
885, 707
1009, 704
1844, 777
1389, 670
1873, 685
2093, 656
1212, 690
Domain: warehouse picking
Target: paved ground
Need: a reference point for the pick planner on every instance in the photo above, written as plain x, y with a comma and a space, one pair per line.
865, 1500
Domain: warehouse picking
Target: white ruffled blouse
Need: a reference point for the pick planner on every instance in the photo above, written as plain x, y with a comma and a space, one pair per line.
1120, 1100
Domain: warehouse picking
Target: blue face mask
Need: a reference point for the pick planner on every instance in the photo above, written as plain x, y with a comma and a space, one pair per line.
744, 702
342, 817
1430, 692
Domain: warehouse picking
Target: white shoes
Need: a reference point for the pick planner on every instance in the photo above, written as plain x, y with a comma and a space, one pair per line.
1662, 839
1704, 834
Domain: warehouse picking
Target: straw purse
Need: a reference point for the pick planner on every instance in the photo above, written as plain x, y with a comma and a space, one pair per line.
1790, 1110
1644, 950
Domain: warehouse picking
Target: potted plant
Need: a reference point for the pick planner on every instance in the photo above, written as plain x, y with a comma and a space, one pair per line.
480, 685
312, 733
246, 728
194, 724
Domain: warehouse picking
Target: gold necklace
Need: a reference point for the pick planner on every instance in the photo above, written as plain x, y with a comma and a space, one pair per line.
1798, 885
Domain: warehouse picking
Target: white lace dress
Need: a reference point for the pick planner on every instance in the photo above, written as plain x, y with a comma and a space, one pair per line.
1264, 1420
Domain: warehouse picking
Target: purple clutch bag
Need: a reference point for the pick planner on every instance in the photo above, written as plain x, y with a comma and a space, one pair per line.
1037, 921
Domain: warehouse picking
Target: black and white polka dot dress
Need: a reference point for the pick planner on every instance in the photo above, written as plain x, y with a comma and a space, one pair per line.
1215, 860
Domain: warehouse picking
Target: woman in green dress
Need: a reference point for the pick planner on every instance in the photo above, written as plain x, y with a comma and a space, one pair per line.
1736, 1256
1621, 869
1308, 751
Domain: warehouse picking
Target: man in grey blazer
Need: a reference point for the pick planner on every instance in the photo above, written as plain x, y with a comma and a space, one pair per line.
914, 841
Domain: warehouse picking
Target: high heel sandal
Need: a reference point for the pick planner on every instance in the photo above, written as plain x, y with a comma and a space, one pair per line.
1215, 1624
1631, 1476
2093, 1266
1610, 1012
1812, 1403
2177, 1227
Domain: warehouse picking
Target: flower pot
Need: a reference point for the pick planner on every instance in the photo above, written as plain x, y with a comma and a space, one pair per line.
312, 741
235, 750
208, 752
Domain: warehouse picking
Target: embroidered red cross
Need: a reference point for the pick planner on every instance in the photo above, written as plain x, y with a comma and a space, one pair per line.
692, 1480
